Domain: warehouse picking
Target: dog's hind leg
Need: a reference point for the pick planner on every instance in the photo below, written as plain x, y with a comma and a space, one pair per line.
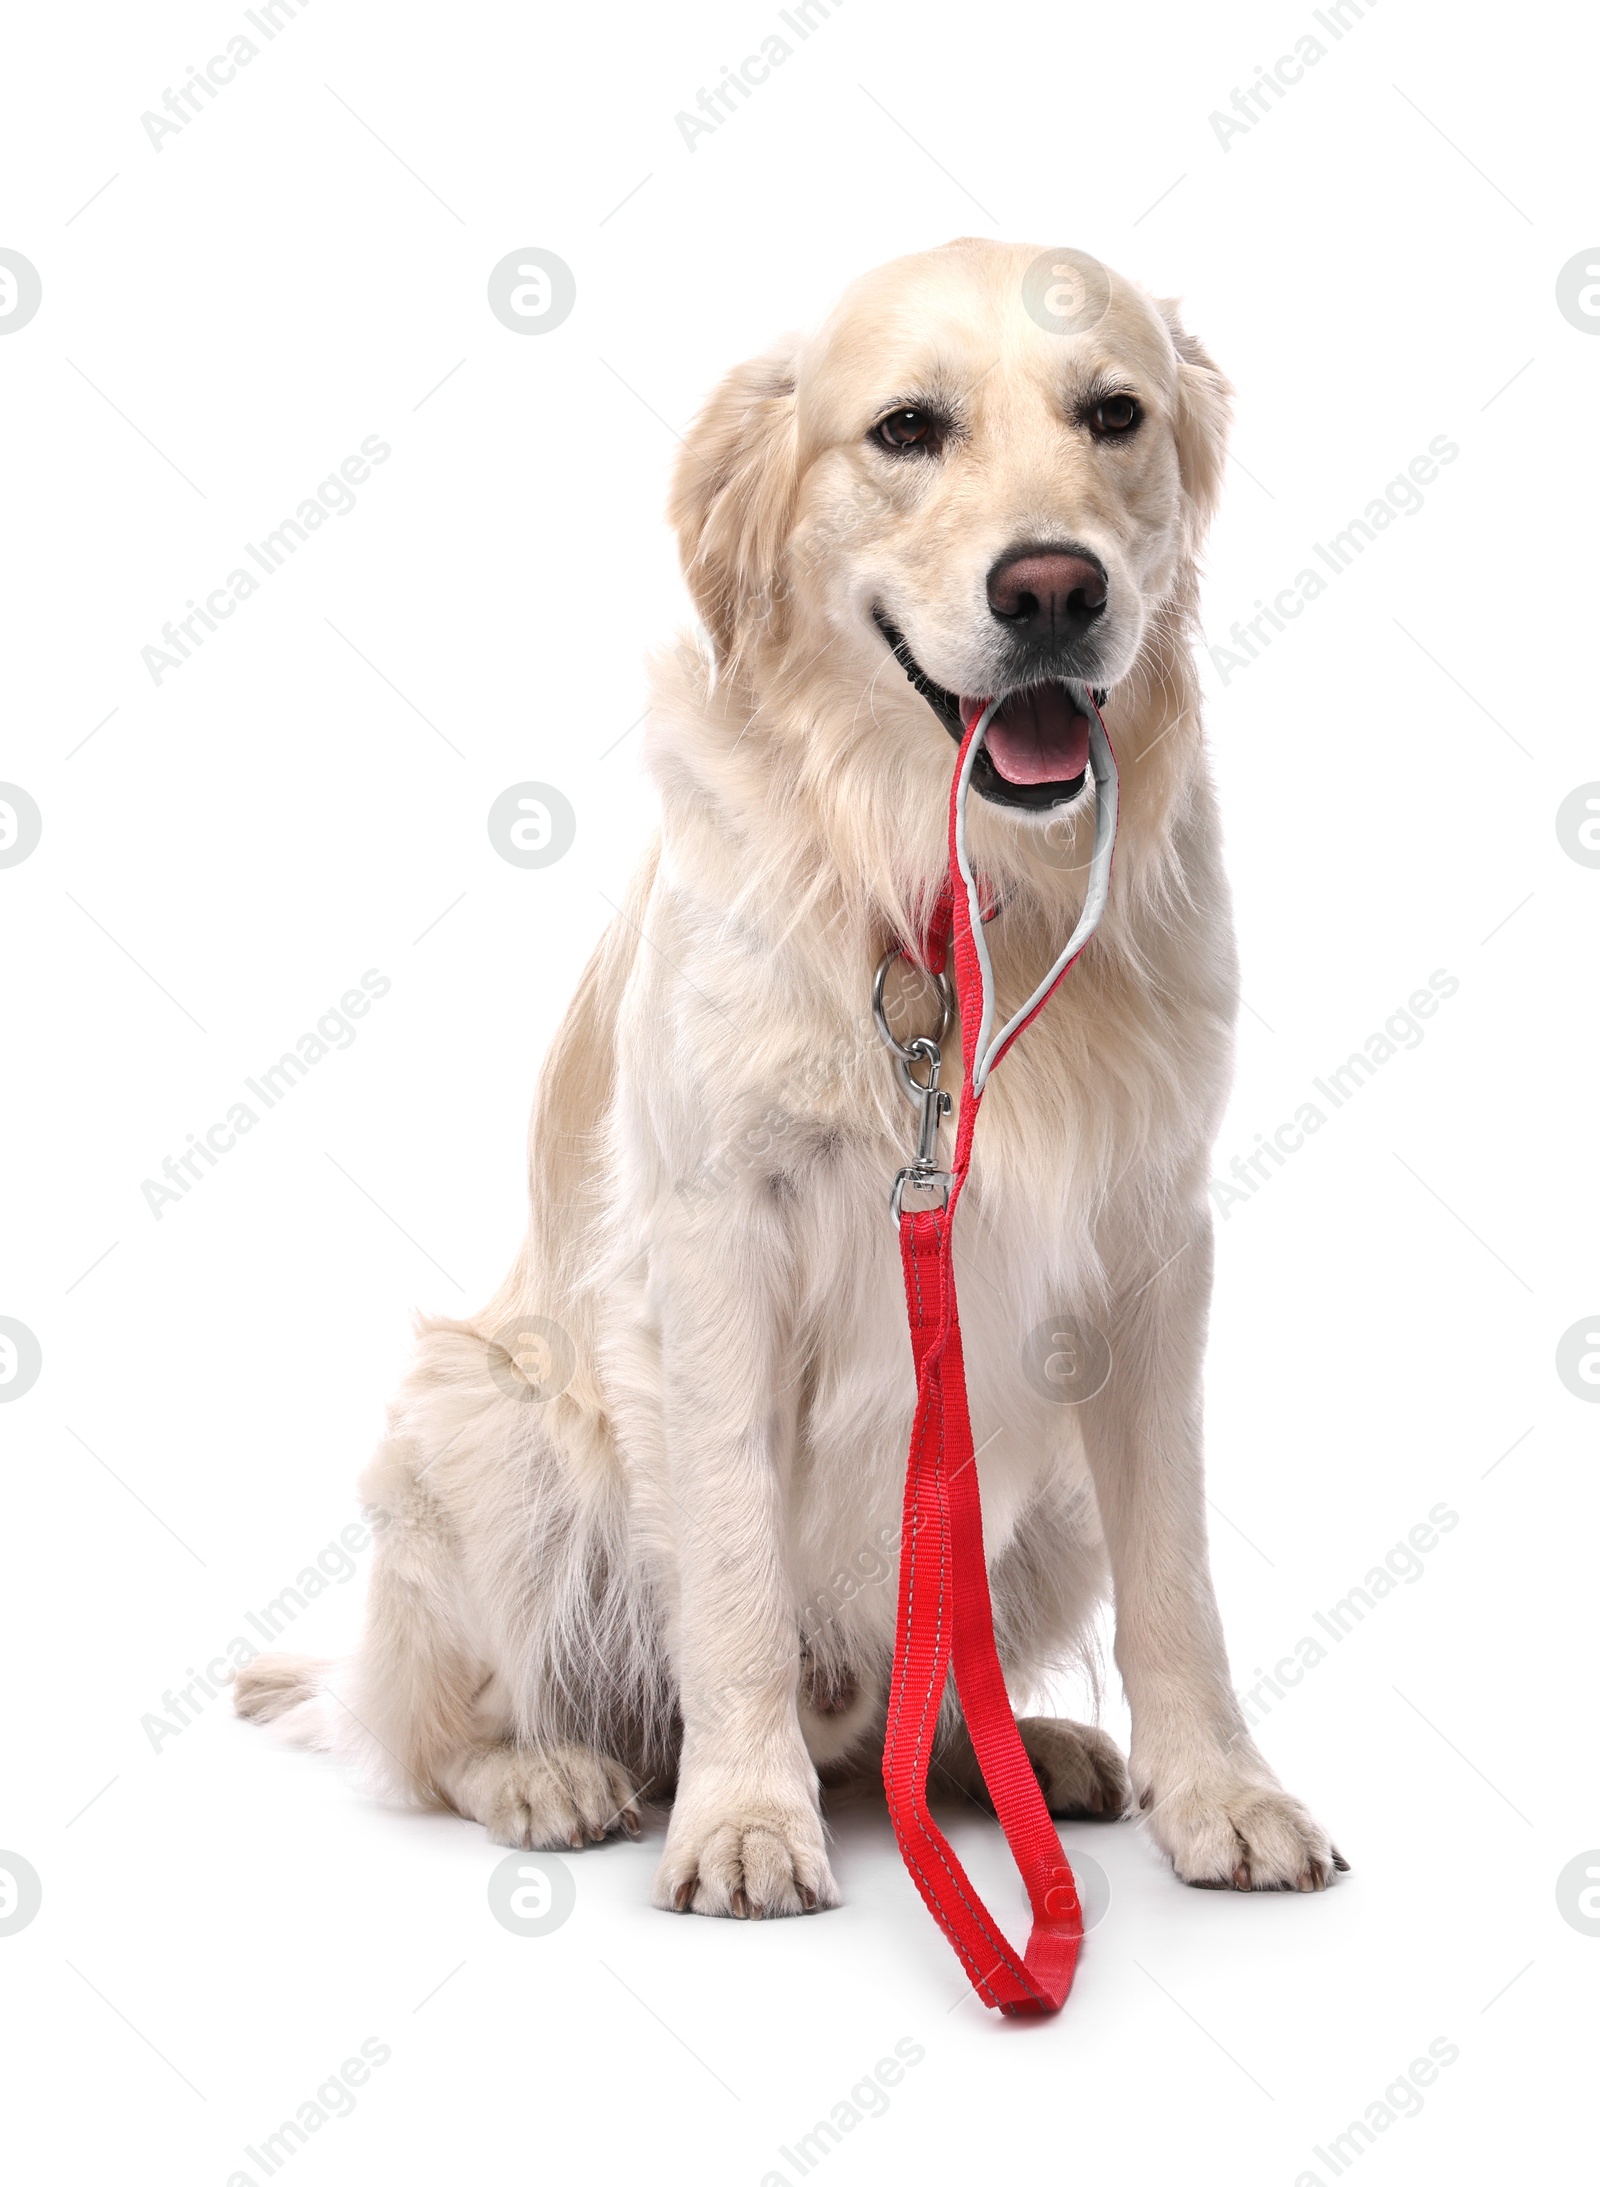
439, 1703
446, 1721
419, 1709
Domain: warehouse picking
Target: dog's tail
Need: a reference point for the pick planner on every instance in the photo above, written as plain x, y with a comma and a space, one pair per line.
290, 1693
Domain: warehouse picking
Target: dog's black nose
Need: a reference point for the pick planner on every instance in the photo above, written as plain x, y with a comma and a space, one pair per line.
1046, 594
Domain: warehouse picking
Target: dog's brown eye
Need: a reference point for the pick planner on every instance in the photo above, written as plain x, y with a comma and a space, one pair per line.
1116, 415
903, 430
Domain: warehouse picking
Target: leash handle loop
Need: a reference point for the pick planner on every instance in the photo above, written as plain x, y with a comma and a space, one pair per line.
991, 1046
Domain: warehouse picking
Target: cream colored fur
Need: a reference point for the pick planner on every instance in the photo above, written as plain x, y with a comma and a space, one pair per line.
674, 1576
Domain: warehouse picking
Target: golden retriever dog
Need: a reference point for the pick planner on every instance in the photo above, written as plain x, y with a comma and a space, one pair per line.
637, 1520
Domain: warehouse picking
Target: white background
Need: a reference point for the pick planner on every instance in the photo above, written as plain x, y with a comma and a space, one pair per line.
1374, 264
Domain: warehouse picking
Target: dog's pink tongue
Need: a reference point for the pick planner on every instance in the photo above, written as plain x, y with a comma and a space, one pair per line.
1037, 735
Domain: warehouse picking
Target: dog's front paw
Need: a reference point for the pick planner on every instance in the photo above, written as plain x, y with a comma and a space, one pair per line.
1240, 1833
751, 1858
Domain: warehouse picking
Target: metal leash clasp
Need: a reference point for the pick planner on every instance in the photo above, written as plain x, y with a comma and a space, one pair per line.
921, 1176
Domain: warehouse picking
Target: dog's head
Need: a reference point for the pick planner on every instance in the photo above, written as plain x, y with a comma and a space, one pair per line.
986, 476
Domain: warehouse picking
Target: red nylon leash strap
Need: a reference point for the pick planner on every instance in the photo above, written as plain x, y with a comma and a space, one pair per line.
945, 1618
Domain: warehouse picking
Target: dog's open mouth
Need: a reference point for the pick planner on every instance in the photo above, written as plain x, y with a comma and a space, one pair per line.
1036, 753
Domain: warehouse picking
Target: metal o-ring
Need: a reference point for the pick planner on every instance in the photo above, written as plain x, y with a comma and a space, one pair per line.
941, 980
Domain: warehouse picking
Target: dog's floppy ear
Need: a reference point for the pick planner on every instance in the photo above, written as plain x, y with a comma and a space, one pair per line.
733, 498
1205, 409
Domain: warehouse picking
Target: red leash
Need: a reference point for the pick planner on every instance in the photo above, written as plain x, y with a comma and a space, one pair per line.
945, 1619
